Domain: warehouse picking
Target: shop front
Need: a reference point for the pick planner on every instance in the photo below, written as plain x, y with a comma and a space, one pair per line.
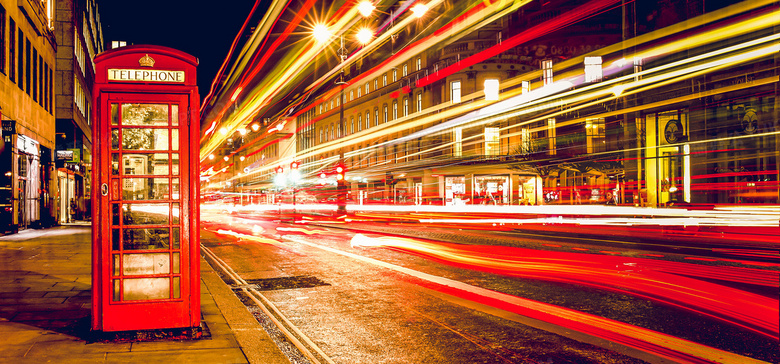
491, 190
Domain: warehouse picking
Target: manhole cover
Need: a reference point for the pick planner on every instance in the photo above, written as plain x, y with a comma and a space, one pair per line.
270, 284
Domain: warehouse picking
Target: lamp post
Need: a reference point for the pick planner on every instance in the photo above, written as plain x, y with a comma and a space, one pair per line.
364, 36
341, 185
294, 177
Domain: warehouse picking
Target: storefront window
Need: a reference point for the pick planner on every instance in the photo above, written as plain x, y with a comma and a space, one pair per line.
491, 190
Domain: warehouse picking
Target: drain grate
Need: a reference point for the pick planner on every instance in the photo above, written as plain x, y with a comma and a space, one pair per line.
270, 284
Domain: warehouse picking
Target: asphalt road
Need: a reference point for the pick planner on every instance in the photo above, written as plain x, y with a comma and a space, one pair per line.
364, 294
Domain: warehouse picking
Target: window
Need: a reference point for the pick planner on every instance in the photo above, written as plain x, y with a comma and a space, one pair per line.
366, 88
20, 59
331, 104
526, 86
547, 72
34, 76
27, 65
419, 63
419, 102
405, 70
455, 92
352, 125
351, 95
361, 121
358, 92
395, 110
491, 141
320, 108
406, 106
385, 109
2, 39
525, 141
384, 80
593, 69
551, 136
376, 84
359, 124
491, 89
322, 136
368, 119
376, 116
457, 146
595, 132
395, 74
12, 51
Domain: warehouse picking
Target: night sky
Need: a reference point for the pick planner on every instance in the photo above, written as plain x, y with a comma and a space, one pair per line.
202, 29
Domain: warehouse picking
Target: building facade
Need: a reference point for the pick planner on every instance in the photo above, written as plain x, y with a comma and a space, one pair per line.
80, 38
27, 79
657, 103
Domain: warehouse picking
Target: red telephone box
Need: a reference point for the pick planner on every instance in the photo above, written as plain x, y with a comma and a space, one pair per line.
145, 181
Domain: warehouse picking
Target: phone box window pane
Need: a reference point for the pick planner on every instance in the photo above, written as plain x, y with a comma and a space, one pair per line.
115, 214
175, 115
144, 139
115, 241
114, 114
176, 287
175, 189
145, 164
115, 164
145, 214
144, 114
145, 239
175, 213
116, 264
136, 289
175, 139
116, 289
175, 263
175, 238
175, 164
145, 189
114, 139
146, 264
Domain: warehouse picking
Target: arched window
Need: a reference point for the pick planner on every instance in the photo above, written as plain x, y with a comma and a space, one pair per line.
406, 106
359, 124
419, 102
352, 125
395, 110
368, 118
367, 88
385, 110
376, 115
405, 70
360, 121
384, 80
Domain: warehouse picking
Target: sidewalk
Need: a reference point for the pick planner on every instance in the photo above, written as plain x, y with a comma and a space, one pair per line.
45, 307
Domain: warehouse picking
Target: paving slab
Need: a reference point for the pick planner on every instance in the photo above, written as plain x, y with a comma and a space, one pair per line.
45, 308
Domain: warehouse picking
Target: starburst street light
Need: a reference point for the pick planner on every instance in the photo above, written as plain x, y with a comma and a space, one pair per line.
321, 33
419, 10
365, 8
364, 35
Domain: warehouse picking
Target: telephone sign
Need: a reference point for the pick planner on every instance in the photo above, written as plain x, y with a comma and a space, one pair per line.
145, 245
